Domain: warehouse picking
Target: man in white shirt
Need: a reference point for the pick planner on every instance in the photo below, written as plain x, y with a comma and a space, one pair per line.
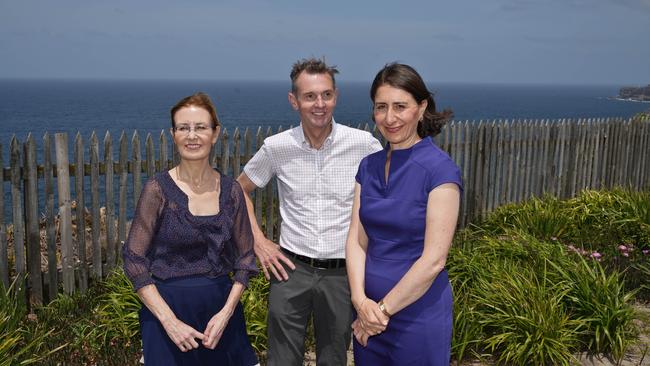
315, 164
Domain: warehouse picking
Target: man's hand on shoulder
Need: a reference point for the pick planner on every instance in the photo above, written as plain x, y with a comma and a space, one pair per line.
271, 258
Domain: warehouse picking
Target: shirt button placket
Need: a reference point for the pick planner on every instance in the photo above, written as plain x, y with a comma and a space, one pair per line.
319, 203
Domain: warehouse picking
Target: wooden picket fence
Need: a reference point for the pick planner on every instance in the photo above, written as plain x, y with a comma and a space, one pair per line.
78, 239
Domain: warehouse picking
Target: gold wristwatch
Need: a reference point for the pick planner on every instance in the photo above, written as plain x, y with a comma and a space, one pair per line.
382, 307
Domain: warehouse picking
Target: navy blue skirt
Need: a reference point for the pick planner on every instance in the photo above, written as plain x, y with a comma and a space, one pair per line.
194, 300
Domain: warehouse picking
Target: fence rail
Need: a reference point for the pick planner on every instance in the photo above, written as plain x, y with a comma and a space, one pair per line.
501, 162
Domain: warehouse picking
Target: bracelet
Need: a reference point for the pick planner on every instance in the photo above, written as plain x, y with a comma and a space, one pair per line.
382, 307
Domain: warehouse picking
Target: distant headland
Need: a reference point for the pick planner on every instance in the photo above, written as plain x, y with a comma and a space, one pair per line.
637, 94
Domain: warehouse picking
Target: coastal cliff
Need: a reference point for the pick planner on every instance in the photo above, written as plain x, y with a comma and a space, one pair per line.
641, 94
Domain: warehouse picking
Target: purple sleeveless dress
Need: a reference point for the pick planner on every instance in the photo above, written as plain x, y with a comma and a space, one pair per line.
393, 216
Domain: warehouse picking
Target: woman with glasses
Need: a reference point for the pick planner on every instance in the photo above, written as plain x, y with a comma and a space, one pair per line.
404, 215
190, 231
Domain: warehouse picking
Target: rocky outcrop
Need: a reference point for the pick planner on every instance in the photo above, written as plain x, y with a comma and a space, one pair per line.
641, 94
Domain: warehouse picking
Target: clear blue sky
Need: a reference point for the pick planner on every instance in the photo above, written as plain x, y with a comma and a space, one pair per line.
497, 41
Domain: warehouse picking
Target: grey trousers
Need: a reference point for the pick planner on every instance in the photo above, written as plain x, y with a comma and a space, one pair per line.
323, 293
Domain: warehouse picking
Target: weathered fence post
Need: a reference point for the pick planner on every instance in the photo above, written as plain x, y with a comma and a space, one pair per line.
65, 210
4, 256
258, 192
479, 166
151, 156
236, 159
18, 218
110, 203
465, 139
80, 212
224, 152
50, 229
95, 212
164, 162
137, 167
32, 229
269, 201
123, 169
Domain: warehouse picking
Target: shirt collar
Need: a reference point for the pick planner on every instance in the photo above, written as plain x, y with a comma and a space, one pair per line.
300, 136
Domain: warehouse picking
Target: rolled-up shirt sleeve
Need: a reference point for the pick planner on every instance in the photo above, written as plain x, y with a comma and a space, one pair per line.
260, 168
244, 266
139, 242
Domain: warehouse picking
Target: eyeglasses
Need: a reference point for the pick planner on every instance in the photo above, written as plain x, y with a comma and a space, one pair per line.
326, 96
199, 129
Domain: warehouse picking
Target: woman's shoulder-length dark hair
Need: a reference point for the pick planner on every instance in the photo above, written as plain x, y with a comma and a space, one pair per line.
405, 77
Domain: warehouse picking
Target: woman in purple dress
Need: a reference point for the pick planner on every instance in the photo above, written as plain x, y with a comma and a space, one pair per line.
405, 210
190, 231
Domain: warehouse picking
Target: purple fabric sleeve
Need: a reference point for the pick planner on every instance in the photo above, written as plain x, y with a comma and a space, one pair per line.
361, 171
143, 227
446, 171
242, 238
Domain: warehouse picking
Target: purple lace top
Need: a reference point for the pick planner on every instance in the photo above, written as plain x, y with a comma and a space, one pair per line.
166, 240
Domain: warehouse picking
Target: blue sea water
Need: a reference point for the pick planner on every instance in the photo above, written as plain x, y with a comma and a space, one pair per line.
37, 106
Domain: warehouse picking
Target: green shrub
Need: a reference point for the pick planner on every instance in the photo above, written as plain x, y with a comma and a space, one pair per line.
22, 340
613, 226
595, 220
644, 272
464, 269
255, 302
544, 218
92, 324
604, 219
524, 319
600, 299
117, 312
467, 331
526, 301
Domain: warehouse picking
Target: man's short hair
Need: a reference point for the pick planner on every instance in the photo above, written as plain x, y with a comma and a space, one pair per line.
311, 66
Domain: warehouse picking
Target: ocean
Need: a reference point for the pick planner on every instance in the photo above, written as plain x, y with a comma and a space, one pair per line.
36, 106
69, 106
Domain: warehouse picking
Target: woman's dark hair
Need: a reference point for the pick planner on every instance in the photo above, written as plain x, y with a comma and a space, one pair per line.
405, 77
200, 100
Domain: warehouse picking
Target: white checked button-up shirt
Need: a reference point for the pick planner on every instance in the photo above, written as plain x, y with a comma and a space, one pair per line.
315, 186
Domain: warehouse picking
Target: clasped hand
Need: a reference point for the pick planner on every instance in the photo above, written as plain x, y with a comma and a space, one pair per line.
185, 337
370, 321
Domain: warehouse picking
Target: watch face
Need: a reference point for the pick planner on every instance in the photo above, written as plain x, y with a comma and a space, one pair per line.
382, 308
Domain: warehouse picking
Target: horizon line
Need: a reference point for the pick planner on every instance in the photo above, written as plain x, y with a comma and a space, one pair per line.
243, 80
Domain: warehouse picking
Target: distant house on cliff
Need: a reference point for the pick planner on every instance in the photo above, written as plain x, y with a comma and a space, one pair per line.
641, 94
